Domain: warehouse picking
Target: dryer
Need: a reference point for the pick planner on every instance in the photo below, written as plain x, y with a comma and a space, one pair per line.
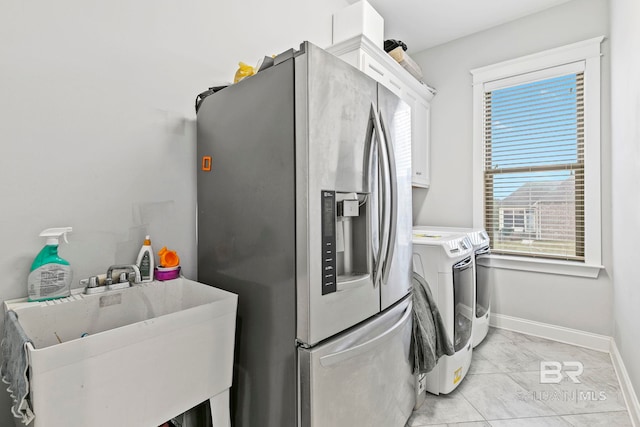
446, 263
483, 286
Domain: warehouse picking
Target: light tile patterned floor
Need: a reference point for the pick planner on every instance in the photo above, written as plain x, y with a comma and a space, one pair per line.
503, 389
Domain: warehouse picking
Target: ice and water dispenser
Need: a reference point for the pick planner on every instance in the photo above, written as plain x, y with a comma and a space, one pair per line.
346, 240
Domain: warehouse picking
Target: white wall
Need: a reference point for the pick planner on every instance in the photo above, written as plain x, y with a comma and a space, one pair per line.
625, 142
584, 304
97, 124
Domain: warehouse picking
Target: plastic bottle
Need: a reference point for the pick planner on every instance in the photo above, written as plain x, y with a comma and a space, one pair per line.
145, 261
168, 258
50, 276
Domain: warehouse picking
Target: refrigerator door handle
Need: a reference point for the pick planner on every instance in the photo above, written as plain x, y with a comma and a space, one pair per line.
369, 146
382, 197
393, 191
341, 356
369, 158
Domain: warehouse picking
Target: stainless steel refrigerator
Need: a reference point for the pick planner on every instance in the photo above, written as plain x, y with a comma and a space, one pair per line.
304, 211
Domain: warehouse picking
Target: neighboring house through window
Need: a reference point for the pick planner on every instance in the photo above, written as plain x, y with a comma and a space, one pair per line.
537, 154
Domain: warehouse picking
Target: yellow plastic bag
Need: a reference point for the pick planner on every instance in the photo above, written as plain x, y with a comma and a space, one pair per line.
243, 71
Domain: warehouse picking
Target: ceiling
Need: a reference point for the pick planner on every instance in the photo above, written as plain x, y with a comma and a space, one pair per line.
422, 24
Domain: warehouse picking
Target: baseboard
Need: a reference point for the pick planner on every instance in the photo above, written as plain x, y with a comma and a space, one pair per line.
552, 332
628, 392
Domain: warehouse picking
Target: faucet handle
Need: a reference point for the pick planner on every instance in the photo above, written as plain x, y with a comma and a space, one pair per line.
92, 285
91, 282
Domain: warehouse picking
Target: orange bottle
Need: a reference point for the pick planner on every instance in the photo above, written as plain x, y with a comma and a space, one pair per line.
168, 258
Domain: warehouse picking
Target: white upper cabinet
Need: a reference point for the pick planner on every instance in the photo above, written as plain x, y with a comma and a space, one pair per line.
360, 52
420, 155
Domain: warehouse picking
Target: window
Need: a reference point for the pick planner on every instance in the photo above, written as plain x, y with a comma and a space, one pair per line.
536, 151
517, 220
534, 160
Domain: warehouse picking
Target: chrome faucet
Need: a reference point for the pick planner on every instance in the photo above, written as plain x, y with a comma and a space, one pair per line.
130, 275
133, 276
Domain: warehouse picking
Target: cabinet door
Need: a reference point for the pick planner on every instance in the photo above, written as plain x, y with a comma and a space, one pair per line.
420, 116
420, 112
420, 120
382, 74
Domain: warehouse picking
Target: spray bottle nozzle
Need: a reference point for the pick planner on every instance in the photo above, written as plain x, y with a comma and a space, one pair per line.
53, 234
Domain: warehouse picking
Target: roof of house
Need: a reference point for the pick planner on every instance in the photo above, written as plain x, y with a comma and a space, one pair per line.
535, 192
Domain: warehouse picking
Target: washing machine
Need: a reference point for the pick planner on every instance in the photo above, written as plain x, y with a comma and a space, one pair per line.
446, 263
483, 286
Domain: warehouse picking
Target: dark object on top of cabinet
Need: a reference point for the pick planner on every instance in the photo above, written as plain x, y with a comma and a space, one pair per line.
391, 44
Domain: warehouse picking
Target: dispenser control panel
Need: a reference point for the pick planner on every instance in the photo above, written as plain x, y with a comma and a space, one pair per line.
328, 242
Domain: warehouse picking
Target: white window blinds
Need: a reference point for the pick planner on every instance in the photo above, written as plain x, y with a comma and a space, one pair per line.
534, 166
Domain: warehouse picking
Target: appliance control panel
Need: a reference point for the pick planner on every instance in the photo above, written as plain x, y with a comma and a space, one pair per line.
328, 249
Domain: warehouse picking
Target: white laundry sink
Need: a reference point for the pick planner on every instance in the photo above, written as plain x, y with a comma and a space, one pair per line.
150, 352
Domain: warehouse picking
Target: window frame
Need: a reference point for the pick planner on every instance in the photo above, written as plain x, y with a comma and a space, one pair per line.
520, 70
525, 212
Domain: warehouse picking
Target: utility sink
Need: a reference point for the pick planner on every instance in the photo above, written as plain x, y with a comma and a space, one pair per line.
133, 357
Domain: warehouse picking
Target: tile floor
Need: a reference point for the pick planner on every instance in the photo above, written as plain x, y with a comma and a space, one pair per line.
503, 388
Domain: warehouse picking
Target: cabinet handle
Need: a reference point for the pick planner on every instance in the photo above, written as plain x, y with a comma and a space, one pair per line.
395, 84
376, 70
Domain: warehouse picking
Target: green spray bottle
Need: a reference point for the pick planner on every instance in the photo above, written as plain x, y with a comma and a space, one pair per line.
50, 275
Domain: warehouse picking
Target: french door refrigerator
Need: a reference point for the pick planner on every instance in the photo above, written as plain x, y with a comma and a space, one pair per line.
304, 211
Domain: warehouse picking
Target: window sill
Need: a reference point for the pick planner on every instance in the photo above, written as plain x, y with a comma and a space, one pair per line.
538, 265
